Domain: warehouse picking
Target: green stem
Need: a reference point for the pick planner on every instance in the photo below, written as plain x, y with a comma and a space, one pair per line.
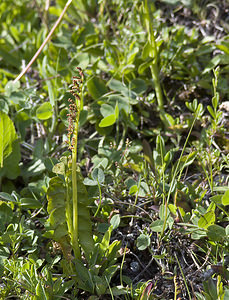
154, 54
75, 242
157, 86
74, 234
68, 208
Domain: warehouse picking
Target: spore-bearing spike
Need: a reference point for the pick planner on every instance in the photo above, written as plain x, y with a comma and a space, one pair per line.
75, 90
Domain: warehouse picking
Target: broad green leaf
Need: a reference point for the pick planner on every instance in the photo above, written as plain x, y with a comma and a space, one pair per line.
225, 198
107, 121
115, 221
11, 168
129, 182
143, 241
211, 111
100, 285
157, 226
85, 227
84, 220
59, 168
83, 59
18, 97
106, 110
56, 196
212, 64
133, 189
7, 137
44, 111
11, 87
207, 219
124, 103
7, 197
6, 214
31, 203
98, 175
118, 86
4, 106
217, 199
169, 120
173, 209
96, 88
83, 277
138, 86
216, 232
143, 190
224, 48
100, 162
90, 182
227, 230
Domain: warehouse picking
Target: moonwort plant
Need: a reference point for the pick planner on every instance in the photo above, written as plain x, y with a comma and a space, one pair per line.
69, 219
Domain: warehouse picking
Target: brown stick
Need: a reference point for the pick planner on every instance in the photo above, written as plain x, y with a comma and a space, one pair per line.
44, 43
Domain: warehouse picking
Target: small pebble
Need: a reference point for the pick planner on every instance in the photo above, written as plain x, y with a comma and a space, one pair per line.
134, 266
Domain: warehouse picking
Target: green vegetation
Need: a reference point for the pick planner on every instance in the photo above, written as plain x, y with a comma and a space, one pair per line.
114, 149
